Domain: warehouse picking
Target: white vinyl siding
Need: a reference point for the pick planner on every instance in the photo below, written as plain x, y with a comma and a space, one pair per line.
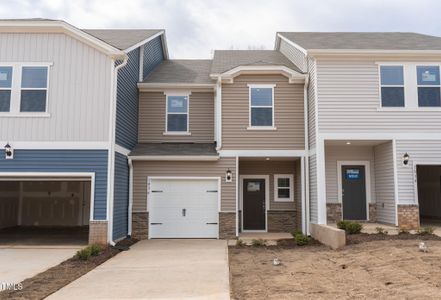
79, 88
293, 54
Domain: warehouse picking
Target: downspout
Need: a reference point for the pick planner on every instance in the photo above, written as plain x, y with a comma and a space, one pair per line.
305, 205
130, 196
111, 160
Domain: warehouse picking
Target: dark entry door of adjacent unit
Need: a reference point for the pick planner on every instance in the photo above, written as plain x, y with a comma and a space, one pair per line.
254, 204
354, 193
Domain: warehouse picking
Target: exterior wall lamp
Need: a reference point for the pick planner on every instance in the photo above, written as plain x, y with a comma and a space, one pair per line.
9, 152
406, 159
229, 176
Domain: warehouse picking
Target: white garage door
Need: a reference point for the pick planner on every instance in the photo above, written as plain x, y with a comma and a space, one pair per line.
183, 208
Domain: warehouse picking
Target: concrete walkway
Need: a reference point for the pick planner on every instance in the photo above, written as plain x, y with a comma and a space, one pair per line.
158, 269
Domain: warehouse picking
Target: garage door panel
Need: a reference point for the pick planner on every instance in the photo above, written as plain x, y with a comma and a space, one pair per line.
167, 200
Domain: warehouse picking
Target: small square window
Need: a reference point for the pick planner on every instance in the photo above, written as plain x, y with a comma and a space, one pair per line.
283, 188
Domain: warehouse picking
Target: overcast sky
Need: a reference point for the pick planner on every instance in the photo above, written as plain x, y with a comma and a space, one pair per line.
195, 27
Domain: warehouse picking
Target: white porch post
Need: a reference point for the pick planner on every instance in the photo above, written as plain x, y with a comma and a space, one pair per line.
321, 182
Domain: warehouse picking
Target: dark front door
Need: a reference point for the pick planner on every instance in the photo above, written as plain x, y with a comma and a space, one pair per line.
254, 204
354, 193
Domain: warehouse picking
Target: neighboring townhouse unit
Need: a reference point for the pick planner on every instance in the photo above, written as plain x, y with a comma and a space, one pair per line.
68, 119
221, 147
374, 124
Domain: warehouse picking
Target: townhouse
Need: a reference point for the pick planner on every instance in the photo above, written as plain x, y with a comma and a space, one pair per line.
69, 106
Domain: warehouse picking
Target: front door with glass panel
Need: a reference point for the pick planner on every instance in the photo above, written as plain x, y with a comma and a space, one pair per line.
254, 209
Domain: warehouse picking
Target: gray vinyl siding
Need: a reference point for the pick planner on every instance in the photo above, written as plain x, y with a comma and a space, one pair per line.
294, 55
78, 94
65, 161
333, 154
311, 103
384, 182
313, 199
143, 169
420, 151
152, 118
349, 100
126, 127
153, 55
120, 197
288, 115
271, 168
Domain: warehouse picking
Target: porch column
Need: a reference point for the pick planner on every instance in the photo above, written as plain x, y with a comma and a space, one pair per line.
321, 182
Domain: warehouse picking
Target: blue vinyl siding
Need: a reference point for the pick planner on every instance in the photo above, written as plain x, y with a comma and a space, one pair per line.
65, 161
121, 197
153, 55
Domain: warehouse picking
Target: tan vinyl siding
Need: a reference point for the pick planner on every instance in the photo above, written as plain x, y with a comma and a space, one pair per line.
293, 54
420, 151
78, 89
270, 168
152, 118
143, 169
288, 115
311, 104
349, 100
333, 154
384, 182
313, 199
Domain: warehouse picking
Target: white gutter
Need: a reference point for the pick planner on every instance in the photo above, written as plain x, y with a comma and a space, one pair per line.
175, 157
130, 196
219, 113
111, 154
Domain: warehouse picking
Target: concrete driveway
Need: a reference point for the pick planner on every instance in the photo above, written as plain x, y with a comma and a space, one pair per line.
20, 262
158, 269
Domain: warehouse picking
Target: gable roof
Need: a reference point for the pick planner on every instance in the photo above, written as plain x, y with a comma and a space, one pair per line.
181, 71
363, 40
123, 39
225, 60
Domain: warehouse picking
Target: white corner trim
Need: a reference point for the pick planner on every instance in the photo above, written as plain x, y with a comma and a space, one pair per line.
291, 187
262, 153
175, 157
267, 197
367, 181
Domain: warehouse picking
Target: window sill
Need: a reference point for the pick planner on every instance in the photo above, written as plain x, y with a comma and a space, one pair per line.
284, 201
176, 133
410, 109
261, 128
24, 115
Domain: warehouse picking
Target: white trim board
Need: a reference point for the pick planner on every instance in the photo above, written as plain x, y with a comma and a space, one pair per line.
267, 199
262, 153
415, 174
367, 181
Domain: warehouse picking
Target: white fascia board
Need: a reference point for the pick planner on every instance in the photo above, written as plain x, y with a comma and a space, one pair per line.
144, 41
294, 76
372, 52
380, 136
297, 46
63, 27
175, 157
262, 153
56, 145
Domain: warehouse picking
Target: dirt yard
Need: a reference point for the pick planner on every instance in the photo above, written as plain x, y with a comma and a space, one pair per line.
383, 269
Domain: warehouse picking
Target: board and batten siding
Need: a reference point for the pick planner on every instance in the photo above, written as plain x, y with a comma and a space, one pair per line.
420, 151
333, 154
384, 183
152, 118
249, 167
294, 55
348, 101
65, 161
313, 198
120, 197
79, 89
288, 115
144, 169
153, 55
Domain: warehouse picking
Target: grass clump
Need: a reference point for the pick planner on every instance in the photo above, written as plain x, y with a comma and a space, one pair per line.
350, 227
302, 239
342, 224
425, 230
95, 249
381, 230
258, 243
91, 250
240, 243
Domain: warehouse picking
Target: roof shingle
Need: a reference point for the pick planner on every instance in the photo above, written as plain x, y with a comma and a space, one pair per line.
174, 149
122, 38
181, 71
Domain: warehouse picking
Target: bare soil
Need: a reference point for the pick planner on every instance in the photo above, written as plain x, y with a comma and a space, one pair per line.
48, 282
371, 266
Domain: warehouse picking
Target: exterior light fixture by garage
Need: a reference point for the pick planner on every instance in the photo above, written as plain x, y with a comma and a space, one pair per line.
9, 152
267, 158
348, 143
406, 159
229, 176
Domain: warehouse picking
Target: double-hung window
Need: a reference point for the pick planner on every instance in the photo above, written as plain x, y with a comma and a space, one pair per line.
261, 113
23, 89
177, 114
392, 86
283, 188
428, 86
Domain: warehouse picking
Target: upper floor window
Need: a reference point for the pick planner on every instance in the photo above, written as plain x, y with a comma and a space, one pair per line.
23, 89
428, 86
261, 114
392, 86
177, 114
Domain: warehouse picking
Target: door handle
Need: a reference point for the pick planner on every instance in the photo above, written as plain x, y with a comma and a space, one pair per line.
184, 211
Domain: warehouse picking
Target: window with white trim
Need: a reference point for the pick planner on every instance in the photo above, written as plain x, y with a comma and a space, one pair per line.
283, 188
23, 88
392, 86
261, 113
428, 83
177, 114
